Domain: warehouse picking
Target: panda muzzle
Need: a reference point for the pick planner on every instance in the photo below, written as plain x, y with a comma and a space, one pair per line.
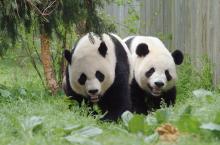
94, 98
155, 91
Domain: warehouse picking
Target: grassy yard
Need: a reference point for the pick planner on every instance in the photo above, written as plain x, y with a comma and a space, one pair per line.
30, 116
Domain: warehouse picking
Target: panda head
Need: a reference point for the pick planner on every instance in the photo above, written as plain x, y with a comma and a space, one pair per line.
91, 67
155, 68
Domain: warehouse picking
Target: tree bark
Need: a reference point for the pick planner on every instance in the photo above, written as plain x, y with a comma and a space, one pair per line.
47, 64
62, 62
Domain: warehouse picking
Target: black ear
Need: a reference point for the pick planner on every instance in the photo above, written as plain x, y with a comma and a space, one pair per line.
178, 57
67, 55
103, 49
142, 50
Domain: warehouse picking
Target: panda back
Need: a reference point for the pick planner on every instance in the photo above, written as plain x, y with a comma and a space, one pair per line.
127, 57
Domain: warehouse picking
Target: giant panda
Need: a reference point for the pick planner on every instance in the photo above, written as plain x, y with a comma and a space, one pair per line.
99, 72
154, 73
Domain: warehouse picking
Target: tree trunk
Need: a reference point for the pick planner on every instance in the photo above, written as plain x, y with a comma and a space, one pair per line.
62, 62
47, 64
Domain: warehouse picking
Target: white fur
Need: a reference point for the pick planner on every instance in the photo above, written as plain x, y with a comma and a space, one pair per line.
86, 59
158, 57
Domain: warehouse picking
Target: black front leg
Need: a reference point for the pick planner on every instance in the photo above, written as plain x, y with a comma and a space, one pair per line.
138, 97
115, 101
138, 105
170, 97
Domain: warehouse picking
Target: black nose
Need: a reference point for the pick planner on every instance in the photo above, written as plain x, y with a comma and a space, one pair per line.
93, 91
159, 84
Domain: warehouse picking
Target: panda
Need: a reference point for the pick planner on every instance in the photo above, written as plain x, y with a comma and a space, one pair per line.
154, 73
99, 72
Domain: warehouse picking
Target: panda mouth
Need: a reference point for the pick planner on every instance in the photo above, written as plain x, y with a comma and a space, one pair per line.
155, 91
94, 98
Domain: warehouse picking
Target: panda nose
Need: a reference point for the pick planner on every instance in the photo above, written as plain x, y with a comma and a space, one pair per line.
159, 84
93, 91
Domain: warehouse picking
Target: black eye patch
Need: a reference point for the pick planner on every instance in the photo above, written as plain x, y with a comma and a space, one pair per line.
99, 76
149, 72
168, 76
82, 79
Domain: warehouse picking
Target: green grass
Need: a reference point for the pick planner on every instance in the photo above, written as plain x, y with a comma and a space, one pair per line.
24, 97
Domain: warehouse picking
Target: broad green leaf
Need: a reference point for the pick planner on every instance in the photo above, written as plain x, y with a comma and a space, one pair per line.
202, 93
210, 99
152, 138
126, 117
188, 123
88, 131
22, 92
5, 93
77, 139
32, 122
211, 126
217, 118
72, 127
162, 115
136, 124
150, 125
151, 120
187, 111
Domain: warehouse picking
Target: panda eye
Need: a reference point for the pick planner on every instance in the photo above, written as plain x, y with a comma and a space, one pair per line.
99, 76
149, 72
168, 76
82, 79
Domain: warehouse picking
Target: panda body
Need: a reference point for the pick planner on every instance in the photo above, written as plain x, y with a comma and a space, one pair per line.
99, 71
154, 73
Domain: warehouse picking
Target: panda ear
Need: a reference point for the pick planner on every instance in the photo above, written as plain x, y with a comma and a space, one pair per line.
67, 55
142, 50
178, 57
103, 49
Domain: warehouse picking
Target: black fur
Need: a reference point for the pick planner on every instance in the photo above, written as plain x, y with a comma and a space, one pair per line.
82, 79
67, 55
116, 99
178, 57
143, 102
128, 42
149, 72
168, 76
103, 49
142, 50
100, 76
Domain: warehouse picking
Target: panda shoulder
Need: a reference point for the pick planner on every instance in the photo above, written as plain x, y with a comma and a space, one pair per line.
121, 41
127, 38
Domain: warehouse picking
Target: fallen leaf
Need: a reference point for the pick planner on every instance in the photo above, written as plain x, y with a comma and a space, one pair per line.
168, 132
